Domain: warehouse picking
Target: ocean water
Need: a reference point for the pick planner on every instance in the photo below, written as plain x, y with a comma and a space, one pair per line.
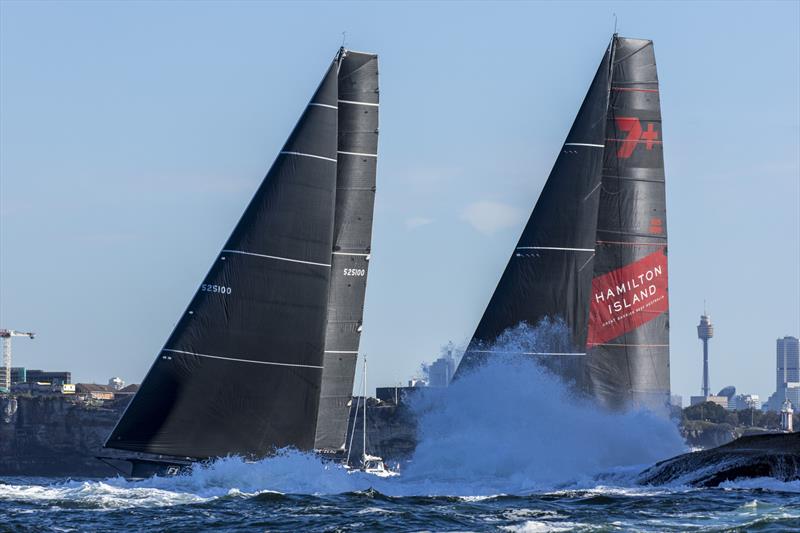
209, 504
506, 448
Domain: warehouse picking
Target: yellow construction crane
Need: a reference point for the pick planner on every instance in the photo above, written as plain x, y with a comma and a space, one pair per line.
5, 371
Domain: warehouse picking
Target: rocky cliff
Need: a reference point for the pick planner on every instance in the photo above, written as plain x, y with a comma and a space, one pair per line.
55, 436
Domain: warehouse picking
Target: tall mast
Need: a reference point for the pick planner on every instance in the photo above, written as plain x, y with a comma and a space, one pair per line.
364, 425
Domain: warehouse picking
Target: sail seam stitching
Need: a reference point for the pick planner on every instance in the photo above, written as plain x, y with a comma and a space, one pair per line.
276, 257
240, 360
308, 155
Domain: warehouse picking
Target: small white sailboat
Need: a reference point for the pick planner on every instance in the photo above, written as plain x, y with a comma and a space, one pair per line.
370, 464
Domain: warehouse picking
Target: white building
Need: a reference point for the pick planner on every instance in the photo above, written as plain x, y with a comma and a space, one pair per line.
740, 402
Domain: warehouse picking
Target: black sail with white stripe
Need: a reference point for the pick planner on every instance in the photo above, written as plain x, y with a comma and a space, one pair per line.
550, 271
594, 252
241, 372
355, 197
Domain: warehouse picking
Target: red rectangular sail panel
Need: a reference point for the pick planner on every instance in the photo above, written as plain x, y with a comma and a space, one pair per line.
628, 297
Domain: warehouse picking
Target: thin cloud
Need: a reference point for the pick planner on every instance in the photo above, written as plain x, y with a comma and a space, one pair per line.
489, 217
417, 222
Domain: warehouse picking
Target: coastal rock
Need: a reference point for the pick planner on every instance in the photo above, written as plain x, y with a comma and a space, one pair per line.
56, 436
775, 455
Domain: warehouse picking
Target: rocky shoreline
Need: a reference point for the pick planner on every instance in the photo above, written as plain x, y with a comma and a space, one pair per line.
775, 455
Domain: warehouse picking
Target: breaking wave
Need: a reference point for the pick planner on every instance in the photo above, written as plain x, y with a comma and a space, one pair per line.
510, 426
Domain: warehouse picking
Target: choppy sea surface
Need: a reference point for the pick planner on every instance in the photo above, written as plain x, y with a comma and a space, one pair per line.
206, 503
505, 448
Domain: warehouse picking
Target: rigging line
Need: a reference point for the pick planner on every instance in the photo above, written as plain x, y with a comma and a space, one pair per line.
599, 183
586, 263
353, 433
277, 258
645, 45
240, 360
301, 154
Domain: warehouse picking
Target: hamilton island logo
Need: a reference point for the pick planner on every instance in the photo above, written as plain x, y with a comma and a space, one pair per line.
628, 297
636, 135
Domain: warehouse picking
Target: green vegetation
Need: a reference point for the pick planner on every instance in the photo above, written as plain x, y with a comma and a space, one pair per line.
711, 412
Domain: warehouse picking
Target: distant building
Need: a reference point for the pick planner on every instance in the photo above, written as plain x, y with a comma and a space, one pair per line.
705, 331
42, 388
93, 391
116, 383
676, 400
741, 402
728, 392
787, 374
128, 390
18, 374
396, 395
722, 401
42, 376
441, 371
787, 362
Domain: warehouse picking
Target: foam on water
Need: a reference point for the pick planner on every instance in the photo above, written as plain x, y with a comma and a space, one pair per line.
762, 483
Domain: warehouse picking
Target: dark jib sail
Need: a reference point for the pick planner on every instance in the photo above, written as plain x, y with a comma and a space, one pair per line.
352, 233
241, 372
595, 240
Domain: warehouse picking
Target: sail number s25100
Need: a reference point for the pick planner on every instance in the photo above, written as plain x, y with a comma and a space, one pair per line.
220, 289
355, 272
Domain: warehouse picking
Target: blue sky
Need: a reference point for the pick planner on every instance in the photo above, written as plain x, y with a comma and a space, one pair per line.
132, 135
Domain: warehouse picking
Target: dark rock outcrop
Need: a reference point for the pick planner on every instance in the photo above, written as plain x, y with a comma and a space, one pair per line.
775, 455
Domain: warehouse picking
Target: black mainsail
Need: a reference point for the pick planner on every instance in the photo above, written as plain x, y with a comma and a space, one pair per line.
243, 369
352, 233
593, 253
